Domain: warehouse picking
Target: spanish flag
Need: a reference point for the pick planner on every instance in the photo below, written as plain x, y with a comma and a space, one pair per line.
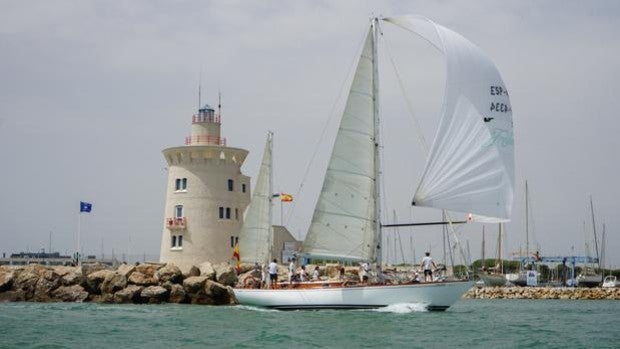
237, 257
286, 197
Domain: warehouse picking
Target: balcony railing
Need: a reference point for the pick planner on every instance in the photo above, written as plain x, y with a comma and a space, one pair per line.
176, 223
204, 117
205, 139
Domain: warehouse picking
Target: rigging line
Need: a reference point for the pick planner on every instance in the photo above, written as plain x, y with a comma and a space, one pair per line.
416, 124
329, 120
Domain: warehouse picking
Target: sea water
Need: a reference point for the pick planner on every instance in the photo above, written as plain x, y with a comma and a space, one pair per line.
468, 324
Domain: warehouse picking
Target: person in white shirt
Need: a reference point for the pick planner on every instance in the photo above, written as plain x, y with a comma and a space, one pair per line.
291, 271
303, 276
364, 272
315, 273
273, 273
427, 265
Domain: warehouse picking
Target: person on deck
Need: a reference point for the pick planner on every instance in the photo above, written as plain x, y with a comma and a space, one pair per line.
427, 265
291, 270
303, 276
364, 268
273, 273
315, 273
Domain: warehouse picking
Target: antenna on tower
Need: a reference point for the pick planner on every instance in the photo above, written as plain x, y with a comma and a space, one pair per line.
200, 90
219, 103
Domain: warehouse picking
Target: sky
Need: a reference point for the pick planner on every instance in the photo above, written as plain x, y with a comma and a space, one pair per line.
91, 92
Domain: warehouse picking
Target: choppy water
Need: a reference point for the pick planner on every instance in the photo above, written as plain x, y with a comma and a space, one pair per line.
468, 324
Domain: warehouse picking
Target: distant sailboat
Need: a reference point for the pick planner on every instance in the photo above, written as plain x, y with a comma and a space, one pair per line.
470, 169
256, 235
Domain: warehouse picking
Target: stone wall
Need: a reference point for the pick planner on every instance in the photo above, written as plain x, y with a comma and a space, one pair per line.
543, 293
143, 283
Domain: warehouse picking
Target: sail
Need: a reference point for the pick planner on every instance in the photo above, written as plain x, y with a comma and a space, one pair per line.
343, 224
255, 237
470, 167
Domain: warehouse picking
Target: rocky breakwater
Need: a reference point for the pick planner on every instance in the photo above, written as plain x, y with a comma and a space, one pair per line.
144, 283
543, 293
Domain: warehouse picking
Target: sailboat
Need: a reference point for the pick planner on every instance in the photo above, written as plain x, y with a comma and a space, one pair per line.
470, 169
495, 276
256, 235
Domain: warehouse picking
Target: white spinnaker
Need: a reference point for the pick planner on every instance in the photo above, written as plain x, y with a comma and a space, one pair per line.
470, 167
255, 237
343, 224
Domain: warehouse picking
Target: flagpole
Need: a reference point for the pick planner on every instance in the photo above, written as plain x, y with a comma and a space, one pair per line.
281, 213
77, 256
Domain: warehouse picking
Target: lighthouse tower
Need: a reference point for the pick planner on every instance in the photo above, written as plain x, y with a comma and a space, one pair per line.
206, 195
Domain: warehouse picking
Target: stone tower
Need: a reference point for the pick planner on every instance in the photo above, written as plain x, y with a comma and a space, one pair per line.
206, 195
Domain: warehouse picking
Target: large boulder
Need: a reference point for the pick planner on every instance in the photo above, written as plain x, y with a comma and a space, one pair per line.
126, 269
138, 278
194, 284
149, 269
47, 282
89, 268
74, 293
13, 296
70, 275
94, 280
113, 282
27, 279
130, 294
226, 274
169, 273
206, 269
217, 293
6, 279
193, 271
154, 294
177, 294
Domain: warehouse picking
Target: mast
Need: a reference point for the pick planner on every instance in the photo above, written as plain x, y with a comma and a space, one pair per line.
527, 225
594, 230
499, 248
482, 266
270, 235
377, 169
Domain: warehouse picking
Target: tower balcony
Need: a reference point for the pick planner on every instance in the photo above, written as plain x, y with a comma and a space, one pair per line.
176, 223
205, 140
206, 117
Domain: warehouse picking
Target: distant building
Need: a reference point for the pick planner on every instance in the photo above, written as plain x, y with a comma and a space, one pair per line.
285, 246
206, 195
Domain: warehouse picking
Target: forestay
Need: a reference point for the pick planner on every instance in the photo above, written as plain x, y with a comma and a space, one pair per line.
255, 237
343, 224
470, 167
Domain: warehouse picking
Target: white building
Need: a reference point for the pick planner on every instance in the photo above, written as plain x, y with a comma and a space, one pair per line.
206, 195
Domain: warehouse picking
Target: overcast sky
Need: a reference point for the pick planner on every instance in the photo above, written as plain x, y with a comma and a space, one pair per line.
92, 91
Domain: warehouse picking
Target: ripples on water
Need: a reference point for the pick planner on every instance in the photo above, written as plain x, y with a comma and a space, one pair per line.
469, 324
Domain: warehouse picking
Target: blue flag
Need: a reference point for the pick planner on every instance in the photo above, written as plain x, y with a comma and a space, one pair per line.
85, 206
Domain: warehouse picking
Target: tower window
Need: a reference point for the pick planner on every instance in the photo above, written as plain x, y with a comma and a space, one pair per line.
236, 213
180, 184
176, 242
243, 187
227, 212
231, 185
221, 212
234, 240
178, 211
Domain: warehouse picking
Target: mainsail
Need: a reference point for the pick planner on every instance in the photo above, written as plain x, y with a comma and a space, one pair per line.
255, 238
344, 224
470, 167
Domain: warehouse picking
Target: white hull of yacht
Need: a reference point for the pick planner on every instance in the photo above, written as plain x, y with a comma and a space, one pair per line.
434, 296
